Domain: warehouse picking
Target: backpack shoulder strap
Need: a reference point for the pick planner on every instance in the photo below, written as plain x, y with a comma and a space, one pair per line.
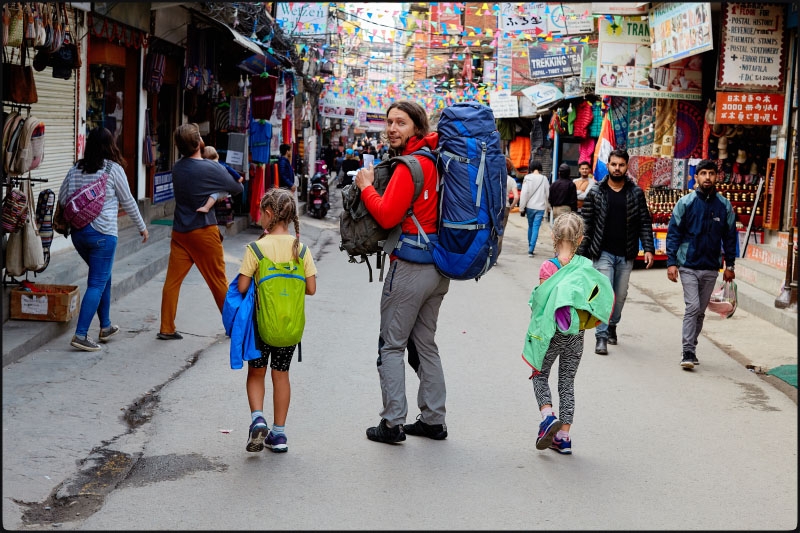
555, 261
302, 253
256, 250
416, 173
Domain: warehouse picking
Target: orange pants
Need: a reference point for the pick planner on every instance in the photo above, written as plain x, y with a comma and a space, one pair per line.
201, 247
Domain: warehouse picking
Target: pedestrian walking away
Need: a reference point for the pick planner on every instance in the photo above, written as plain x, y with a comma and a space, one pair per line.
511, 190
278, 210
616, 219
533, 202
285, 170
571, 297
563, 193
96, 242
702, 223
413, 289
196, 239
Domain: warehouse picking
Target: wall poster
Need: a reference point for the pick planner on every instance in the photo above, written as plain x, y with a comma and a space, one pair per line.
679, 30
753, 47
624, 64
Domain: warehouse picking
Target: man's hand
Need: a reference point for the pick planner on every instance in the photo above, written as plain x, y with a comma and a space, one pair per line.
648, 259
728, 275
145, 235
293, 189
672, 273
365, 177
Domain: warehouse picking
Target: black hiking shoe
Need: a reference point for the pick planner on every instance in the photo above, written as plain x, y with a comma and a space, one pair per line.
612, 335
421, 429
383, 433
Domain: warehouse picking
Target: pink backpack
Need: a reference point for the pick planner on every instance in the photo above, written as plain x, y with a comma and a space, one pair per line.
87, 202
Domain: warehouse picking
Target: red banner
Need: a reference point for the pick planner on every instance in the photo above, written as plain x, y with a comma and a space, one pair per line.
760, 109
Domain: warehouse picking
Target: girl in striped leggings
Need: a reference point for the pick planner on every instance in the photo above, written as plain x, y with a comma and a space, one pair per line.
568, 348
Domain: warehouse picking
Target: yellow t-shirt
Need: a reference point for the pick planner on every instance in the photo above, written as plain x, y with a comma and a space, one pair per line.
278, 248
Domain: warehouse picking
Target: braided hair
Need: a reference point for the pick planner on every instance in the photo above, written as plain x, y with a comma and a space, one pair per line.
567, 227
281, 202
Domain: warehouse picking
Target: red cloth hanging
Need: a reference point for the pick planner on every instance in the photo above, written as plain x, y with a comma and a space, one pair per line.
256, 192
263, 96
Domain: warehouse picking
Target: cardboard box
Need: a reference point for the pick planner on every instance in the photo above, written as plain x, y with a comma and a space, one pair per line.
55, 303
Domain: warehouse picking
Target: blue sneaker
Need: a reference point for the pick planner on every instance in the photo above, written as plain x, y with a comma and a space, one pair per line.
562, 446
258, 431
276, 442
547, 429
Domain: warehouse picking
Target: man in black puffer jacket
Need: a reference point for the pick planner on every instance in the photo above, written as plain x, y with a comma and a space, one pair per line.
616, 218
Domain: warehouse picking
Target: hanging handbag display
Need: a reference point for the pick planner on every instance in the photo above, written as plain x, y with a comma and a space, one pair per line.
15, 210
14, 255
18, 82
16, 23
32, 251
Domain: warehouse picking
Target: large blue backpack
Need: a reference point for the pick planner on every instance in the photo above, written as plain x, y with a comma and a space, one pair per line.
472, 195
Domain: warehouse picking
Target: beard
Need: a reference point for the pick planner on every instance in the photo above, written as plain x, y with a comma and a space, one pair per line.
616, 179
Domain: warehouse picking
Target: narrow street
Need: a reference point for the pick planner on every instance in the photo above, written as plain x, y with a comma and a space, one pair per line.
655, 447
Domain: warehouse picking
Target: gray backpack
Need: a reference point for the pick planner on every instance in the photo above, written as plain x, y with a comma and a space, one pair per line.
361, 234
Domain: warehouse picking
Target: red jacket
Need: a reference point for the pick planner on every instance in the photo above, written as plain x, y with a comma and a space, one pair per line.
390, 208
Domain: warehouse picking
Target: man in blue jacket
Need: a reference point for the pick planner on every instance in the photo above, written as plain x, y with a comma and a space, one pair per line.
702, 222
285, 170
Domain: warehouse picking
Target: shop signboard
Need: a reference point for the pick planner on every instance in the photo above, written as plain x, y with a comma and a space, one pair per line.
753, 47
554, 61
619, 8
523, 16
625, 66
309, 19
570, 19
162, 187
543, 94
333, 106
503, 104
759, 109
679, 30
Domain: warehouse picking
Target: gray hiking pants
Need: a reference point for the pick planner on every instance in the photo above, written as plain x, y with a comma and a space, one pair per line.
412, 296
697, 288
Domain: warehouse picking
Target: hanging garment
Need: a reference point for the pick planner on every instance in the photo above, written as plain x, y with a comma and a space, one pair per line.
256, 192
260, 139
583, 119
519, 150
586, 150
597, 120
239, 119
263, 91
537, 135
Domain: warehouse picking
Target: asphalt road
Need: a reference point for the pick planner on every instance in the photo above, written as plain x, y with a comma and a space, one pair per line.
654, 447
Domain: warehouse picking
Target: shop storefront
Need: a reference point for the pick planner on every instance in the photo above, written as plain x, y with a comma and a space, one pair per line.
680, 83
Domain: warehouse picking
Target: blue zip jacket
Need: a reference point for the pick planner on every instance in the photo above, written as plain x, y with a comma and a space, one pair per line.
237, 318
701, 227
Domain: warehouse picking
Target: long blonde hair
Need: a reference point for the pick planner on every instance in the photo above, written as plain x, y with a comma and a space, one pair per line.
281, 202
567, 227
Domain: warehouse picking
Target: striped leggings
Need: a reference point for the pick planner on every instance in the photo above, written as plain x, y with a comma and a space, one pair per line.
568, 349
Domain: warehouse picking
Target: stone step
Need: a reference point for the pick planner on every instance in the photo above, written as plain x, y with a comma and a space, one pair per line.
762, 304
767, 278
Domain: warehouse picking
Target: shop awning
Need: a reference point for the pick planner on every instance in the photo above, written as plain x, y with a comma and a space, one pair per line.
238, 38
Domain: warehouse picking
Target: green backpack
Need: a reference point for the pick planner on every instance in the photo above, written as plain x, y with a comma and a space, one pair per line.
280, 299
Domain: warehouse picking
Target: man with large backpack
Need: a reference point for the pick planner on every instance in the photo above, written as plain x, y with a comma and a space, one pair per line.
413, 289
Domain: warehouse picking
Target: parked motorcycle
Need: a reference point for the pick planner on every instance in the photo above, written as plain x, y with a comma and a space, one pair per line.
318, 203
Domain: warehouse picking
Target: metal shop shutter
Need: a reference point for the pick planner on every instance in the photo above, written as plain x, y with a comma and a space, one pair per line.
56, 108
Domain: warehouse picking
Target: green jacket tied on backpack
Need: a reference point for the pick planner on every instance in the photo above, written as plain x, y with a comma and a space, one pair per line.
577, 285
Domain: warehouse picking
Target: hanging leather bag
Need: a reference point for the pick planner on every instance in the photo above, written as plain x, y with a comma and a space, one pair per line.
18, 82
